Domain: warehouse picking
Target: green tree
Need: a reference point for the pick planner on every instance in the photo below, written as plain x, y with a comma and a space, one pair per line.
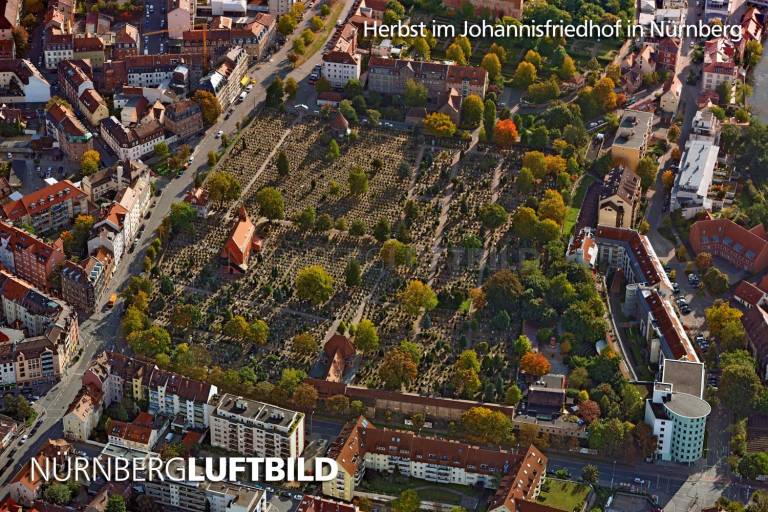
382, 230
58, 493
352, 273
492, 65
366, 336
456, 54
513, 395
715, 281
415, 93
567, 69
590, 474
150, 342
408, 501
417, 295
306, 219
334, 151
472, 111
271, 203
313, 283
291, 87
489, 118
182, 216
283, 167
493, 215
222, 186
116, 503
275, 91
647, 169
358, 181
524, 75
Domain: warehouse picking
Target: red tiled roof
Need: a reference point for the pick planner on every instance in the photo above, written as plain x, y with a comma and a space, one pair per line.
43, 199
320, 504
749, 293
238, 246
671, 328
649, 264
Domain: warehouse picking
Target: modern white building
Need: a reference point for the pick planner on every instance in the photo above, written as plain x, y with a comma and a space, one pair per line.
222, 7
691, 189
250, 428
705, 127
678, 420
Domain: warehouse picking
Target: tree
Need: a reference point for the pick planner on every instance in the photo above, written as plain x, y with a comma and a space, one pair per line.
89, 162
276, 90
647, 169
358, 181
589, 411
185, 316
58, 493
505, 133
492, 65
753, 52
579, 378
535, 363
489, 118
408, 501
314, 284
439, 125
456, 54
416, 296
334, 151
486, 426
306, 219
567, 69
513, 395
322, 85
604, 95
398, 368
116, 503
415, 93
740, 388
286, 24
472, 111
493, 215
222, 186
502, 290
258, 332
395, 253
271, 203
209, 105
182, 216
381, 230
524, 75
366, 336
283, 167
753, 464
609, 436
150, 342
21, 40
715, 281
352, 273
552, 206
304, 344
590, 474
337, 404
668, 179
290, 87
304, 397
703, 260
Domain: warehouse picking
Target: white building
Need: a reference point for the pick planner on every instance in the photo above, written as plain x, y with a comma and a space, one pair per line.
174, 395
342, 63
132, 143
22, 82
222, 7
705, 127
278, 7
691, 189
224, 81
250, 428
719, 63
83, 414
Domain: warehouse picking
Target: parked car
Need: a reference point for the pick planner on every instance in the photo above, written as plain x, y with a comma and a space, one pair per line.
219, 134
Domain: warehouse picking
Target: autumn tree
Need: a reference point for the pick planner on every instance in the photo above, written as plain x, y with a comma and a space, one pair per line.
304, 344
398, 368
456, 54
552, 206
647, 168
358, 181
668, 179
524, 75
486, 426
439, 125
505, 133
703, 260
314, 284
366, 336
492, 65
408, 501
589, 411
395, 253
304, 397
89, 162
535, 363
209, 105
567, 69
493, 215
466, 377
417, 296
222, 186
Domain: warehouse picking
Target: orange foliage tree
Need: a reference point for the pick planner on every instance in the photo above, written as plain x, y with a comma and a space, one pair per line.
505, 134
535, 363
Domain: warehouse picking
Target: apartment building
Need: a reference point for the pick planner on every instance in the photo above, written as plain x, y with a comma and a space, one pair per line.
255, 38
29, 257
690, 192
632, 138
83, 414
517, 476
667, 52
177, 396
83, 283
342, 63
76, 80
280, 7
57, 48
206, 496
224, 81
744, 248
25, 487
755, 322
49, 209
388, 76
619, 199
111, 180
21, 82
91, 49
719, 63
180, 18
126, 42
132, 143
183, 118
717, 10
63, 126
255, 428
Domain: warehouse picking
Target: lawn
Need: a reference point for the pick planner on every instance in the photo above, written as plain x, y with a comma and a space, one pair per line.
393, 485
572, 215
563, 494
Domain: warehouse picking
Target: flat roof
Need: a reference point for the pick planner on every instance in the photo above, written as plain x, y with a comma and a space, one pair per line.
688, 406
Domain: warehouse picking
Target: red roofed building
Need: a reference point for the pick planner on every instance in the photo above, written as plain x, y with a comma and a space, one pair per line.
318, 504
745, 248
199, 198
10, 13
388, 76
25, 487
237, 249
719, 63
64, 127
667, 51
755, 322
362, 446
132, 435
749, 295
751, 28
663, 330
339, 349
50, 208
29, 257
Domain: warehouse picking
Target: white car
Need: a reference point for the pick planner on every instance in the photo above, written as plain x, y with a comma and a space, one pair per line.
219, 134
249, 88
24, 438
10, 156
